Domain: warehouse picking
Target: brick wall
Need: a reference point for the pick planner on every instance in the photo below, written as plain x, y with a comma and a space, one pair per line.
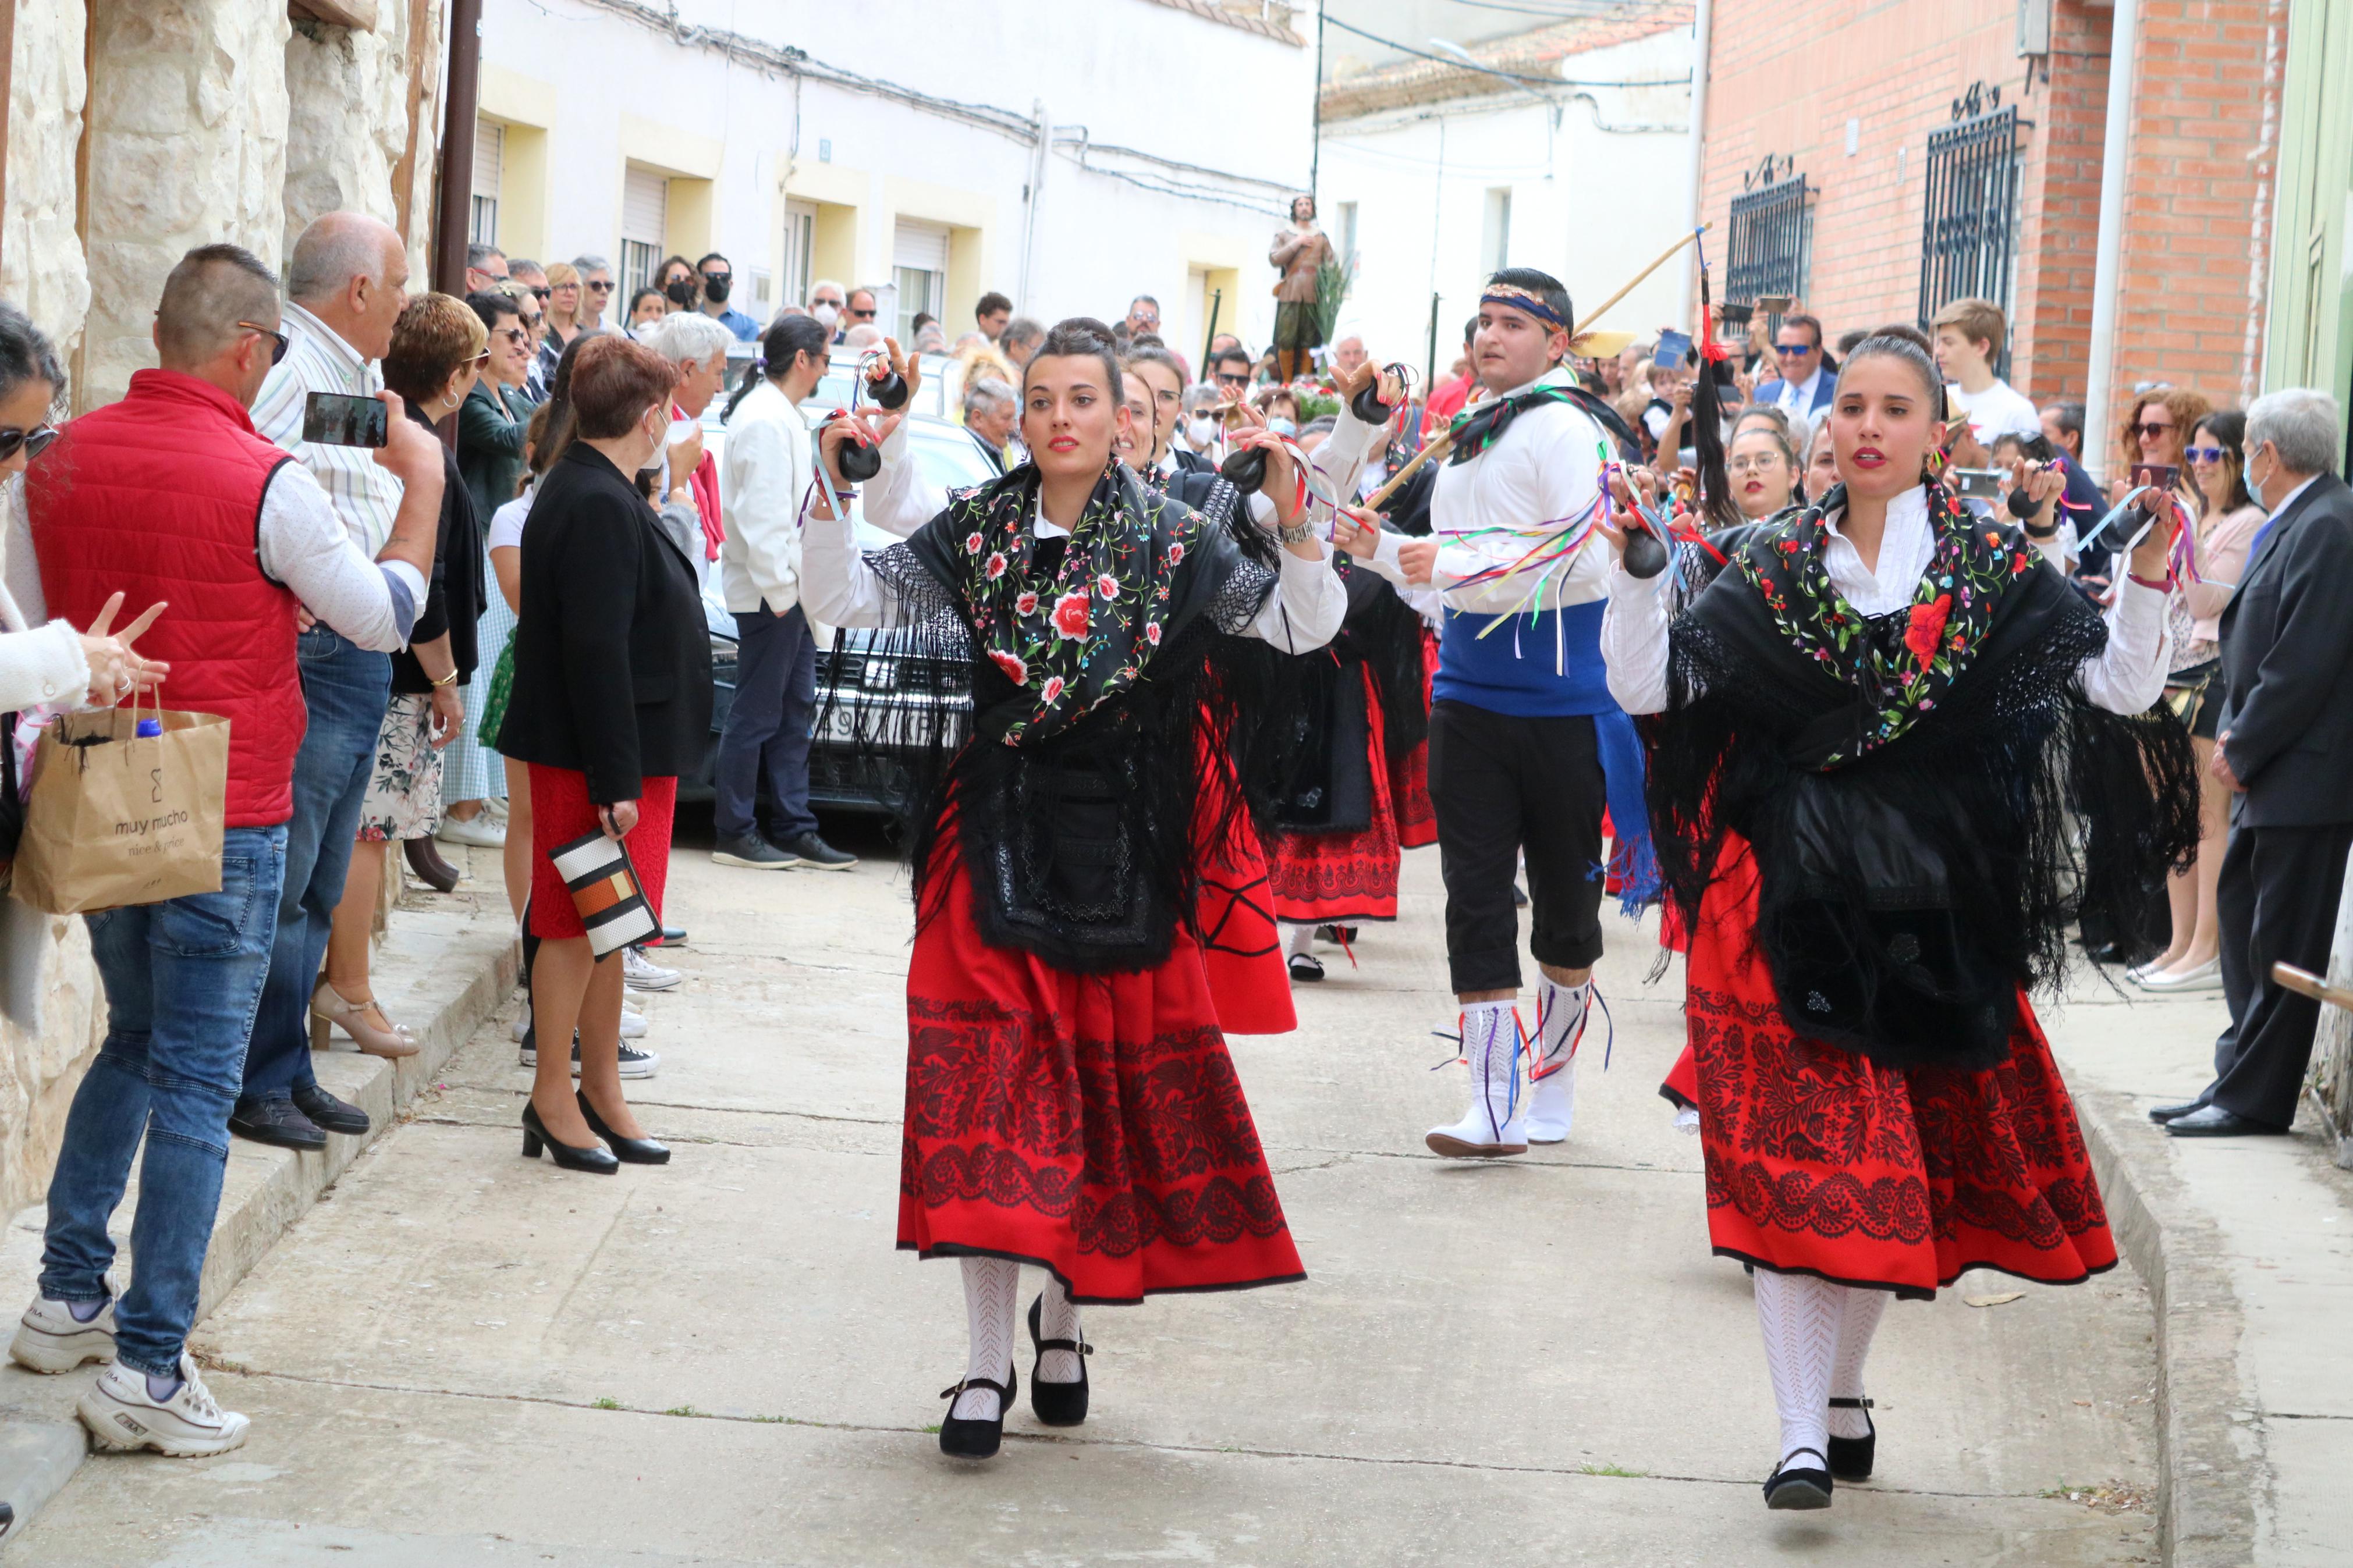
1786, 79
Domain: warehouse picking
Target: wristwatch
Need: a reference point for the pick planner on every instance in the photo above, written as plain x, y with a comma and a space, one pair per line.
1298, 532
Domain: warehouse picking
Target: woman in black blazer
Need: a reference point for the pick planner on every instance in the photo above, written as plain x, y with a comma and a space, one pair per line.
611, 699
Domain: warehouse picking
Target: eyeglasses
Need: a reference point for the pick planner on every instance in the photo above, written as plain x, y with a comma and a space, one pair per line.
1752, 465
2202, 454
1233, 379
281, 341
722, 276
542, 293
865, 315
2150, 429
33, 441
1145, 320
605, 288
515, 335
1791, 350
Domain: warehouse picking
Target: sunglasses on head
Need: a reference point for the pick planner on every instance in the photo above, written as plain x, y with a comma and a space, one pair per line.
33, 441
2203, 454
278, 351
2149, 428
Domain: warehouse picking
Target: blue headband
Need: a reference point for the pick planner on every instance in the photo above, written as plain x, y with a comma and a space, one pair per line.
1520, 299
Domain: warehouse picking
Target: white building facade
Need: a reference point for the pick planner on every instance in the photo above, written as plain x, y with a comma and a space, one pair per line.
1067, 153
1587, 182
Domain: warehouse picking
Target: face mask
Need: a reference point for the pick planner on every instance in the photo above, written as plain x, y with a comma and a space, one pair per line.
679, 291
1200, 430
2254, 490
1281, 426
827, 314
715, 287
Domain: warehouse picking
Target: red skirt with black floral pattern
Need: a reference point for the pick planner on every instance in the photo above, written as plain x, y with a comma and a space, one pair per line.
1822, 1162
1090, 1124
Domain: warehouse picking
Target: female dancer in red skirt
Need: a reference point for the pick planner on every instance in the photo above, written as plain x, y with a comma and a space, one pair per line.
1876, 729
1070, 1100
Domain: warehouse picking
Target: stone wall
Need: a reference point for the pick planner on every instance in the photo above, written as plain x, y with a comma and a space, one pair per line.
347, 125
41, 266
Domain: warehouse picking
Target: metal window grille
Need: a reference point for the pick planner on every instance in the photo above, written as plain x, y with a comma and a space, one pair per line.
1772, 236
1969, 236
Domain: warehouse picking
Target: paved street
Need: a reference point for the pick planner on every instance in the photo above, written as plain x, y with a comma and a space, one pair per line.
465, 1357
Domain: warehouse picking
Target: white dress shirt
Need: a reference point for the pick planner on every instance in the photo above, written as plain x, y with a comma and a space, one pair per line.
1798, 397
767, 468
363, 491
2126, 676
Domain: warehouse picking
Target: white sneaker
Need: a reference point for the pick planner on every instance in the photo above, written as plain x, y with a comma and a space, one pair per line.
640, 973
121, 1416
633, 1026
49, 1340
1552, 1105
477, 832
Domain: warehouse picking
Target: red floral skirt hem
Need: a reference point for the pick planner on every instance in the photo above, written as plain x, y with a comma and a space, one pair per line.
1822, 1162
1325, 878
1089, 1124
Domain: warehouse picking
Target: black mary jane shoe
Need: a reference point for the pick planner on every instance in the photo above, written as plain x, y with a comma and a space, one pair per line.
1056, 1403
1850, 1458
535, 1135
1305, 966
1798, 1486
627, 1151
962, 1438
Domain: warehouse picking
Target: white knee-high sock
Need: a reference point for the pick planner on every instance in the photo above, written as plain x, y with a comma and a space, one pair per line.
1858, 1320
1490, 1048
1298, 939
1560, 1020
1800, 1316
1058, 1319
991, 1286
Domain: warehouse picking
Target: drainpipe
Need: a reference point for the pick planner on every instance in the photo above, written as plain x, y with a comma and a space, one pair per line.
1703, 17
1038, 160
2124, 47
455, 218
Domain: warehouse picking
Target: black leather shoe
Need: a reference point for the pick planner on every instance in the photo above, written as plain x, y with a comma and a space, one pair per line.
629, 1151
2213, 1121
1056, 1403
1798, 1486
334, 1115
276, 1122
536, 1136
816, 854
1850, 1458
964, 1438
2162, 1114
1305, 966
431, 870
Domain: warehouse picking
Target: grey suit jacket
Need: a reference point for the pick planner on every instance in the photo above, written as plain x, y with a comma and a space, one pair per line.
2287, 666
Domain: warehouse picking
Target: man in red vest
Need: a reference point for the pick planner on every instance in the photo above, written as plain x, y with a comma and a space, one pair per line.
170, 496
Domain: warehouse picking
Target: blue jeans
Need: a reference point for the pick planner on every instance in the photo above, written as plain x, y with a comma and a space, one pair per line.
346, 689
183, 979
769, 727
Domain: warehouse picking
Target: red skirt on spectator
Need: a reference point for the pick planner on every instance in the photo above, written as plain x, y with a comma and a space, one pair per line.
1089, 1124
562, 812
1822, 1162
1339, 879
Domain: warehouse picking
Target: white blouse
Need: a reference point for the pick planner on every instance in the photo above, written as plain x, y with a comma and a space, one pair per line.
2126, 676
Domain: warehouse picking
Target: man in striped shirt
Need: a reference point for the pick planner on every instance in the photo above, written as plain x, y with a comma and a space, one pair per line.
345, 284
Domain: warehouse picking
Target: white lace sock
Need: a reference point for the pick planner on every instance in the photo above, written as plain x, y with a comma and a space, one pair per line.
1858, 1320
1560, 1018
1490, 1048
1058, 1319
1297, 940
1801, 1316
992, 1286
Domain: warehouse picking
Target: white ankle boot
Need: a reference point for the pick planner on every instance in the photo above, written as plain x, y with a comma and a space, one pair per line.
1560, 1028
1552, 1104
1496, 1123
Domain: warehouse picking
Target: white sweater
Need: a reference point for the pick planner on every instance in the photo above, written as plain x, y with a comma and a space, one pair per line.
45, 664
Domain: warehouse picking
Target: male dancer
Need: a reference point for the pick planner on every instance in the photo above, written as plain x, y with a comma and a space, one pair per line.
1523, 730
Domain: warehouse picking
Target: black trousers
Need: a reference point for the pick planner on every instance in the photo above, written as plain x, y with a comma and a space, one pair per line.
1501, 785
2277, 900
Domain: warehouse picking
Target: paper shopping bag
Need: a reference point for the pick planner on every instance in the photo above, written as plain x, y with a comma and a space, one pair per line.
118, 817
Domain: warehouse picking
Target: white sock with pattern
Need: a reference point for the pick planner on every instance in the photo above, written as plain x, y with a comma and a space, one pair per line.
1800, 1316
1297, 940
1858, 1320
992, 1288
1058, 1319
1560, 1024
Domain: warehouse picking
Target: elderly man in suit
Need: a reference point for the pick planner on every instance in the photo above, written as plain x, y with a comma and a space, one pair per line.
2286, 745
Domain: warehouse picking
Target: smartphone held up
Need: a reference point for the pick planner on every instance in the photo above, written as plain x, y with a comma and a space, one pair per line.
343, 419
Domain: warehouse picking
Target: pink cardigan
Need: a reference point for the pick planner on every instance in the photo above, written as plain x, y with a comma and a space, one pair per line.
2221, 561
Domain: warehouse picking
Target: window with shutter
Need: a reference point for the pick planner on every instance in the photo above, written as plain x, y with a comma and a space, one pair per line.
919, 264
645, 218
490, 160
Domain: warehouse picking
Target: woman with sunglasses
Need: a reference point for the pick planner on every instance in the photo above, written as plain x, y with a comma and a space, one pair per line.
438, 350
2155, 432
2228, 520
563, 291
596, 292
48, 663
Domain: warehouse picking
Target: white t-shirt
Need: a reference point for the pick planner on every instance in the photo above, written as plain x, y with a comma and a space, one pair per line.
2000, 410
506, 523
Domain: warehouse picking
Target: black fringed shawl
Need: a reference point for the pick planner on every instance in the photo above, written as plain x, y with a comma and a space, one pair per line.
1928, 795
1074, 811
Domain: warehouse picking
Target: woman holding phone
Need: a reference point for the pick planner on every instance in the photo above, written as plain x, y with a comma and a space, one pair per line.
611, 701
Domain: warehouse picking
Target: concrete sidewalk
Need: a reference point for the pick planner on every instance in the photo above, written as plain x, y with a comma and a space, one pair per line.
468, 1357
2247, 1246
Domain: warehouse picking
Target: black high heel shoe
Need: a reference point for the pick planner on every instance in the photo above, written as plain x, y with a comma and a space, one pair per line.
536, 1133
1850, 1458
1798, 1486
1056, 1403
963, 1437
629, 1151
